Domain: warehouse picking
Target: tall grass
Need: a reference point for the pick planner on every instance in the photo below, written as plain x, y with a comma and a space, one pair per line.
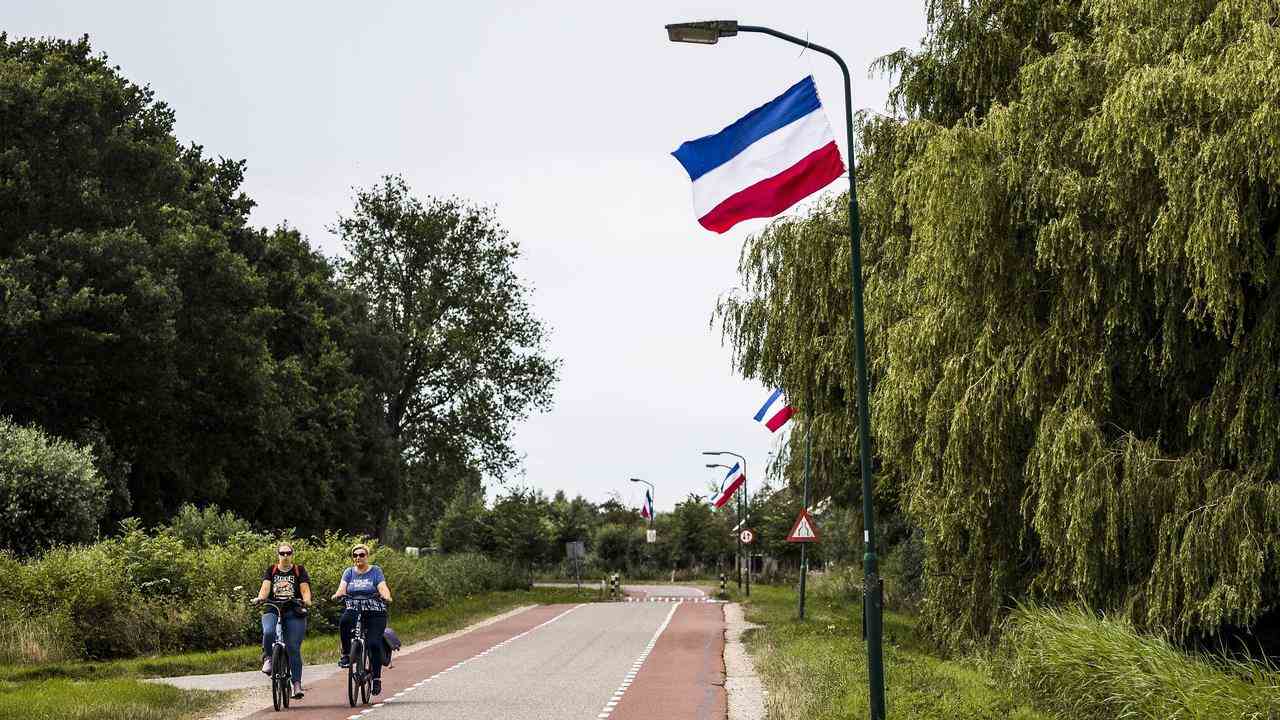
1084, 666
173, 590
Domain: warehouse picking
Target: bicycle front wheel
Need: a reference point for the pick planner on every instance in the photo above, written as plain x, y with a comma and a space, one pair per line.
368, 679
280, 678
354, 672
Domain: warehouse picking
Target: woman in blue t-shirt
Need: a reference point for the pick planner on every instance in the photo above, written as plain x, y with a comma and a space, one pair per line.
366, 592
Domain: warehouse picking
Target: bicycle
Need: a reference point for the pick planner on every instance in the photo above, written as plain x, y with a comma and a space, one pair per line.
360, 671
281, 675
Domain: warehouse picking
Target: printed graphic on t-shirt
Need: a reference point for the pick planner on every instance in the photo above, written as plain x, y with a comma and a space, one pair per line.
283, 586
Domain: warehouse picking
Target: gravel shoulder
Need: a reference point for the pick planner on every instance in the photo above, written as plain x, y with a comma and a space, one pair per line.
744, 689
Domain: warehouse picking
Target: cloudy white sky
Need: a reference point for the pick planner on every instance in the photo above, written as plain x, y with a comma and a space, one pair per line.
561, 115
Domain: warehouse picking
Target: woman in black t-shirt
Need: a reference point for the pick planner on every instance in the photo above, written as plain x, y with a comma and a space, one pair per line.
283, 582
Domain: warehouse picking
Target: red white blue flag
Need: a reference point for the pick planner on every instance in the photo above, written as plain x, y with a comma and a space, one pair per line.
646, 510
775, 412
730, 485
767, 161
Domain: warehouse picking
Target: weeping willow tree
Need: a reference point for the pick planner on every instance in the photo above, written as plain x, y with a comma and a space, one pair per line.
1073, 308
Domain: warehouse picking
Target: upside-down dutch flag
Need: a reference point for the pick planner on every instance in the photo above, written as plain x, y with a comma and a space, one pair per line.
767, 161
646, 510
730, 485
775, 412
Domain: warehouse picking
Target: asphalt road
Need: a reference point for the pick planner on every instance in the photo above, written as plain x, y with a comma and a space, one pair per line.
597, 661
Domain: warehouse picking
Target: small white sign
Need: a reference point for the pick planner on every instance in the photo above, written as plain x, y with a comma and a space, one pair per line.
651, 536
746, 536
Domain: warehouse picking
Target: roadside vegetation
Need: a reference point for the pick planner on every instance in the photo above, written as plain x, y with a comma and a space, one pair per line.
816, 669
102, 700
1050, 664
1084, 666
184, 587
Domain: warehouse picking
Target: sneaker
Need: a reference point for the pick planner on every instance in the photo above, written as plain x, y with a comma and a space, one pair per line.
266, 666
297, 690
344, 661
377, 687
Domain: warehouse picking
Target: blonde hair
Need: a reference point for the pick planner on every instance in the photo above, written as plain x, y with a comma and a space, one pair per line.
363, 547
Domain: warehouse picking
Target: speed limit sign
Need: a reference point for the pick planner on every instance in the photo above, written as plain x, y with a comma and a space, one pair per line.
746, 536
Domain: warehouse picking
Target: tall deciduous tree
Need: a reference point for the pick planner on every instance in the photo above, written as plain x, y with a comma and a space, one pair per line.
1073, 298
468, 360
203, 360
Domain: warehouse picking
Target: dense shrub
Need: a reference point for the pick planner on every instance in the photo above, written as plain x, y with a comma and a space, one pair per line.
187, 586
50, 492
198, 528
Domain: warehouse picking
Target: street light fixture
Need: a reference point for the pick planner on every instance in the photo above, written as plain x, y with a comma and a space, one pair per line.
702, 33
709, 33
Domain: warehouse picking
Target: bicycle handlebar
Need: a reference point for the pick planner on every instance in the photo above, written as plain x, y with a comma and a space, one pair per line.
281, 605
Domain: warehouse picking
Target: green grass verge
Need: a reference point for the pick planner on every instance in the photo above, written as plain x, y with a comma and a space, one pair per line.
421, 625
121, 699
817, 669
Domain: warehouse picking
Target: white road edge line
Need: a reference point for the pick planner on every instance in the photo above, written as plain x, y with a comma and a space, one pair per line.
635, 668
478, 655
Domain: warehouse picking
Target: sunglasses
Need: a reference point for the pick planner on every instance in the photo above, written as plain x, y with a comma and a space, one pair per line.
358, 555
286, 552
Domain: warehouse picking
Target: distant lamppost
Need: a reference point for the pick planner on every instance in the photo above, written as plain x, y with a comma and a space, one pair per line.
651, 535
709, 33
738, 561
744, 507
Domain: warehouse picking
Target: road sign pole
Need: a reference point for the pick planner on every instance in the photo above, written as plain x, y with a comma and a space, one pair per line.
804, 547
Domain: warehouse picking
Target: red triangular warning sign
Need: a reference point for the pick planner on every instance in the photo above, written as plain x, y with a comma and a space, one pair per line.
805, 529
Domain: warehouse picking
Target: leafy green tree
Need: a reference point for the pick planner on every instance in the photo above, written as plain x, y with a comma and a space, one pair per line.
572, 519
613, 512
519, 528
462, 526
613, 546
51, 492
773, 511
699, 537
204, 361
1073, 296
468, 360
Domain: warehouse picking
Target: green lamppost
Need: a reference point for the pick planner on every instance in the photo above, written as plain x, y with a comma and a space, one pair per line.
653, 513
709, 33
736, 535
744, 508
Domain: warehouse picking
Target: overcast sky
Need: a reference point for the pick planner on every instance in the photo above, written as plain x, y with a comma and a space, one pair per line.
562, 115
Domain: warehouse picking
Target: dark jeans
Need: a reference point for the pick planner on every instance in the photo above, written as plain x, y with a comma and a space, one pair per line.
374, 624
295, 628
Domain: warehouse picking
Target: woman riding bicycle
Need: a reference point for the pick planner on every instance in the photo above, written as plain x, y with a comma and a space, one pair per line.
285, 582
367, 594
